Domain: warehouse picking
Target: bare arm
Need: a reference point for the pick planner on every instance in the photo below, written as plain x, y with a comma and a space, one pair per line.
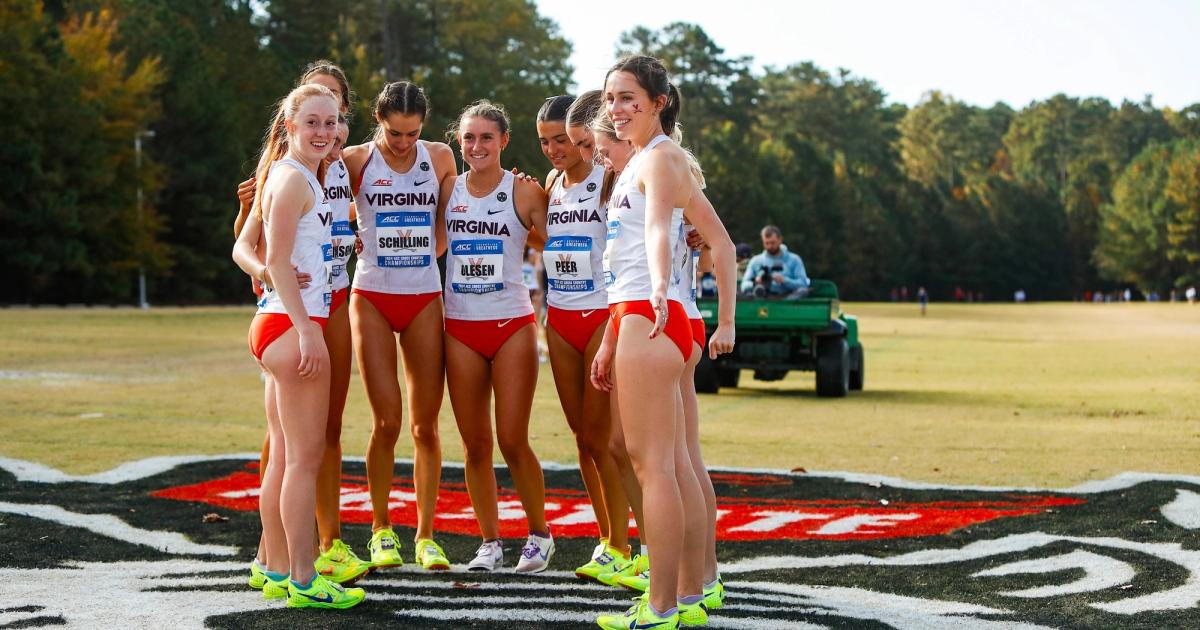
245, 193
443, 200
531, 209
663, 182
701, 214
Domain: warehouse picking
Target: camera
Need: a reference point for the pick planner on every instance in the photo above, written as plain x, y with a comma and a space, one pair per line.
766, 276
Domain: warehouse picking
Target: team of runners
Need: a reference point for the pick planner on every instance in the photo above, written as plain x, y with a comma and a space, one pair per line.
623, 226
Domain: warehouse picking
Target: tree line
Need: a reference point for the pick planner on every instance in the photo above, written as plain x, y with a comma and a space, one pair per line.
1064, 196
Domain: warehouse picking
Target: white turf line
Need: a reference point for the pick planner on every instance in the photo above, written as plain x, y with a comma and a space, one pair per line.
140, 469
1184, 511
113, 527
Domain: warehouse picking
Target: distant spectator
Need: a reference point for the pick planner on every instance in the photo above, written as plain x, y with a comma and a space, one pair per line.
923, 298
1019, 296
1191, 295
895, 294
1174, 295
903, 294
958, 294
775, 271
1127, 295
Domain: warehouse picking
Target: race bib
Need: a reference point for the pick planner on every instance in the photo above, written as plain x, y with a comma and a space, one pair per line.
692, 270
343, 246
614, 226
568, 261
403, 239
327, 252
478, 266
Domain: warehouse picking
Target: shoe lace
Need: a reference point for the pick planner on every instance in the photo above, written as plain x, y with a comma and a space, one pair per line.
430, 548
484, 550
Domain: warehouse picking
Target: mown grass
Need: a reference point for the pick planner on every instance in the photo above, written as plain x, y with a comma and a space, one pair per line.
1035, 394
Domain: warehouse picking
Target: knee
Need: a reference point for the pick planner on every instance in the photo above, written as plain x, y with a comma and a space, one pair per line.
387, 427
477, 449
425, 436
512, 448
592, 446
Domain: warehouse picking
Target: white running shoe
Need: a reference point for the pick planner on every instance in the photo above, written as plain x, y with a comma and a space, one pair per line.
489, 556
536, 554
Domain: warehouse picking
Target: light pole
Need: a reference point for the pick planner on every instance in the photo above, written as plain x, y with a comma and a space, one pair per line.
137, 150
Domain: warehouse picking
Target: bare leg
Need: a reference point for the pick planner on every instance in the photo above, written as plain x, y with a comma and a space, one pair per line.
274, 552
517, 361
375, 346
469, 378
425, 373
329, 477
691, 411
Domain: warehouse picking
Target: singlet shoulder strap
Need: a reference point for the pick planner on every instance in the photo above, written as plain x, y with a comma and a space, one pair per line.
554, 180
659, 139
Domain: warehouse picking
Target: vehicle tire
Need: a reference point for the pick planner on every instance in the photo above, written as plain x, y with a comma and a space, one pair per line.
833, 367
858, 368
706, 376
728, 377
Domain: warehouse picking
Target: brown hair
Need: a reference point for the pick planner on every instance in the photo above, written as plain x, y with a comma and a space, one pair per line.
482, 108
652, 76
275, 140
584, 109
326, 67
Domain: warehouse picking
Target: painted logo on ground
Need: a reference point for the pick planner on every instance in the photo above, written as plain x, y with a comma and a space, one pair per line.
132, 548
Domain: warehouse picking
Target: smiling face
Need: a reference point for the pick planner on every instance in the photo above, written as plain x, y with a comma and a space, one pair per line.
556, 144
313, 130
583, 142
615, 153
343, 133
634, 114
401, 131
481, 141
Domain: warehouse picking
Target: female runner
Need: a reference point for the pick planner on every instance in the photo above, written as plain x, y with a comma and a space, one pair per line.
337, 560
576, 316
645, 218
399, 182
490, 336
286, 338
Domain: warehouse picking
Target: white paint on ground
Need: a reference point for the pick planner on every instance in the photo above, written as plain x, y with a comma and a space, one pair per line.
1184, 511
113, 527
1182, 597
118, 595
1099, 572
513, 615
31, 471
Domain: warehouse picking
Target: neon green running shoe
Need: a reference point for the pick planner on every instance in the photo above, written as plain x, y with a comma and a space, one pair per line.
340, 565
637, 582
693, 614
322, 593
618, 570
385, 549
257, 577
639, 616
610, 561
272, 589
430, 555
715, 596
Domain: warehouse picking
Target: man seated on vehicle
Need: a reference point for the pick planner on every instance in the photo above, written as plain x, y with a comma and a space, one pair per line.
775, 272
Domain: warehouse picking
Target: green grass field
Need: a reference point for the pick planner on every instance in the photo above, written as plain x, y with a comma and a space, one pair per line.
1036, 394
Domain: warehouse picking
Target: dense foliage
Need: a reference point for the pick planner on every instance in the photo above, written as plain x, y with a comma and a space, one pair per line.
1064, 196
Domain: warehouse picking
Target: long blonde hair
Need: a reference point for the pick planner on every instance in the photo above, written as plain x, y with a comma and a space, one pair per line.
275, 140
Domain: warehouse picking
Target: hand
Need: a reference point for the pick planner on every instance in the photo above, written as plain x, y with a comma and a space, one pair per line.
659, 303
522, 176
245, 192
721, 341
314, 356
778, 278
358, 246
602, 368
302, 279
695, 240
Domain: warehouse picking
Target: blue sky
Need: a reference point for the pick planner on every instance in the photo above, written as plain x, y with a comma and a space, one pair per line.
1015, 51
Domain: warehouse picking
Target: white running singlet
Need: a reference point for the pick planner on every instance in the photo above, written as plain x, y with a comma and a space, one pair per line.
337, 194
683, 273
626, 265
312, 252
574, 254
487, 249
396, 215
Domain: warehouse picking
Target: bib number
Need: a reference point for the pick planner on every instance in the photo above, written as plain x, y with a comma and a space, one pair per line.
478, 266
403, 239
568, 261
343, 246
327, 252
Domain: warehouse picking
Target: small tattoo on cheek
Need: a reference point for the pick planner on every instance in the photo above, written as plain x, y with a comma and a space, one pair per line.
637, 109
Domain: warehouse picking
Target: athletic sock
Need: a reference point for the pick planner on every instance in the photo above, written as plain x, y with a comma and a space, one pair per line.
667, 613
304, 586
690, 599
275, 577
713, 584
644, 551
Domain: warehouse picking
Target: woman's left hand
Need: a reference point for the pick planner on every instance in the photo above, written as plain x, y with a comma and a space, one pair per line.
721, 341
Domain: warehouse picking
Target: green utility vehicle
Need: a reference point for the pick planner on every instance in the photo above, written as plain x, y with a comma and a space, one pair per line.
775, 336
